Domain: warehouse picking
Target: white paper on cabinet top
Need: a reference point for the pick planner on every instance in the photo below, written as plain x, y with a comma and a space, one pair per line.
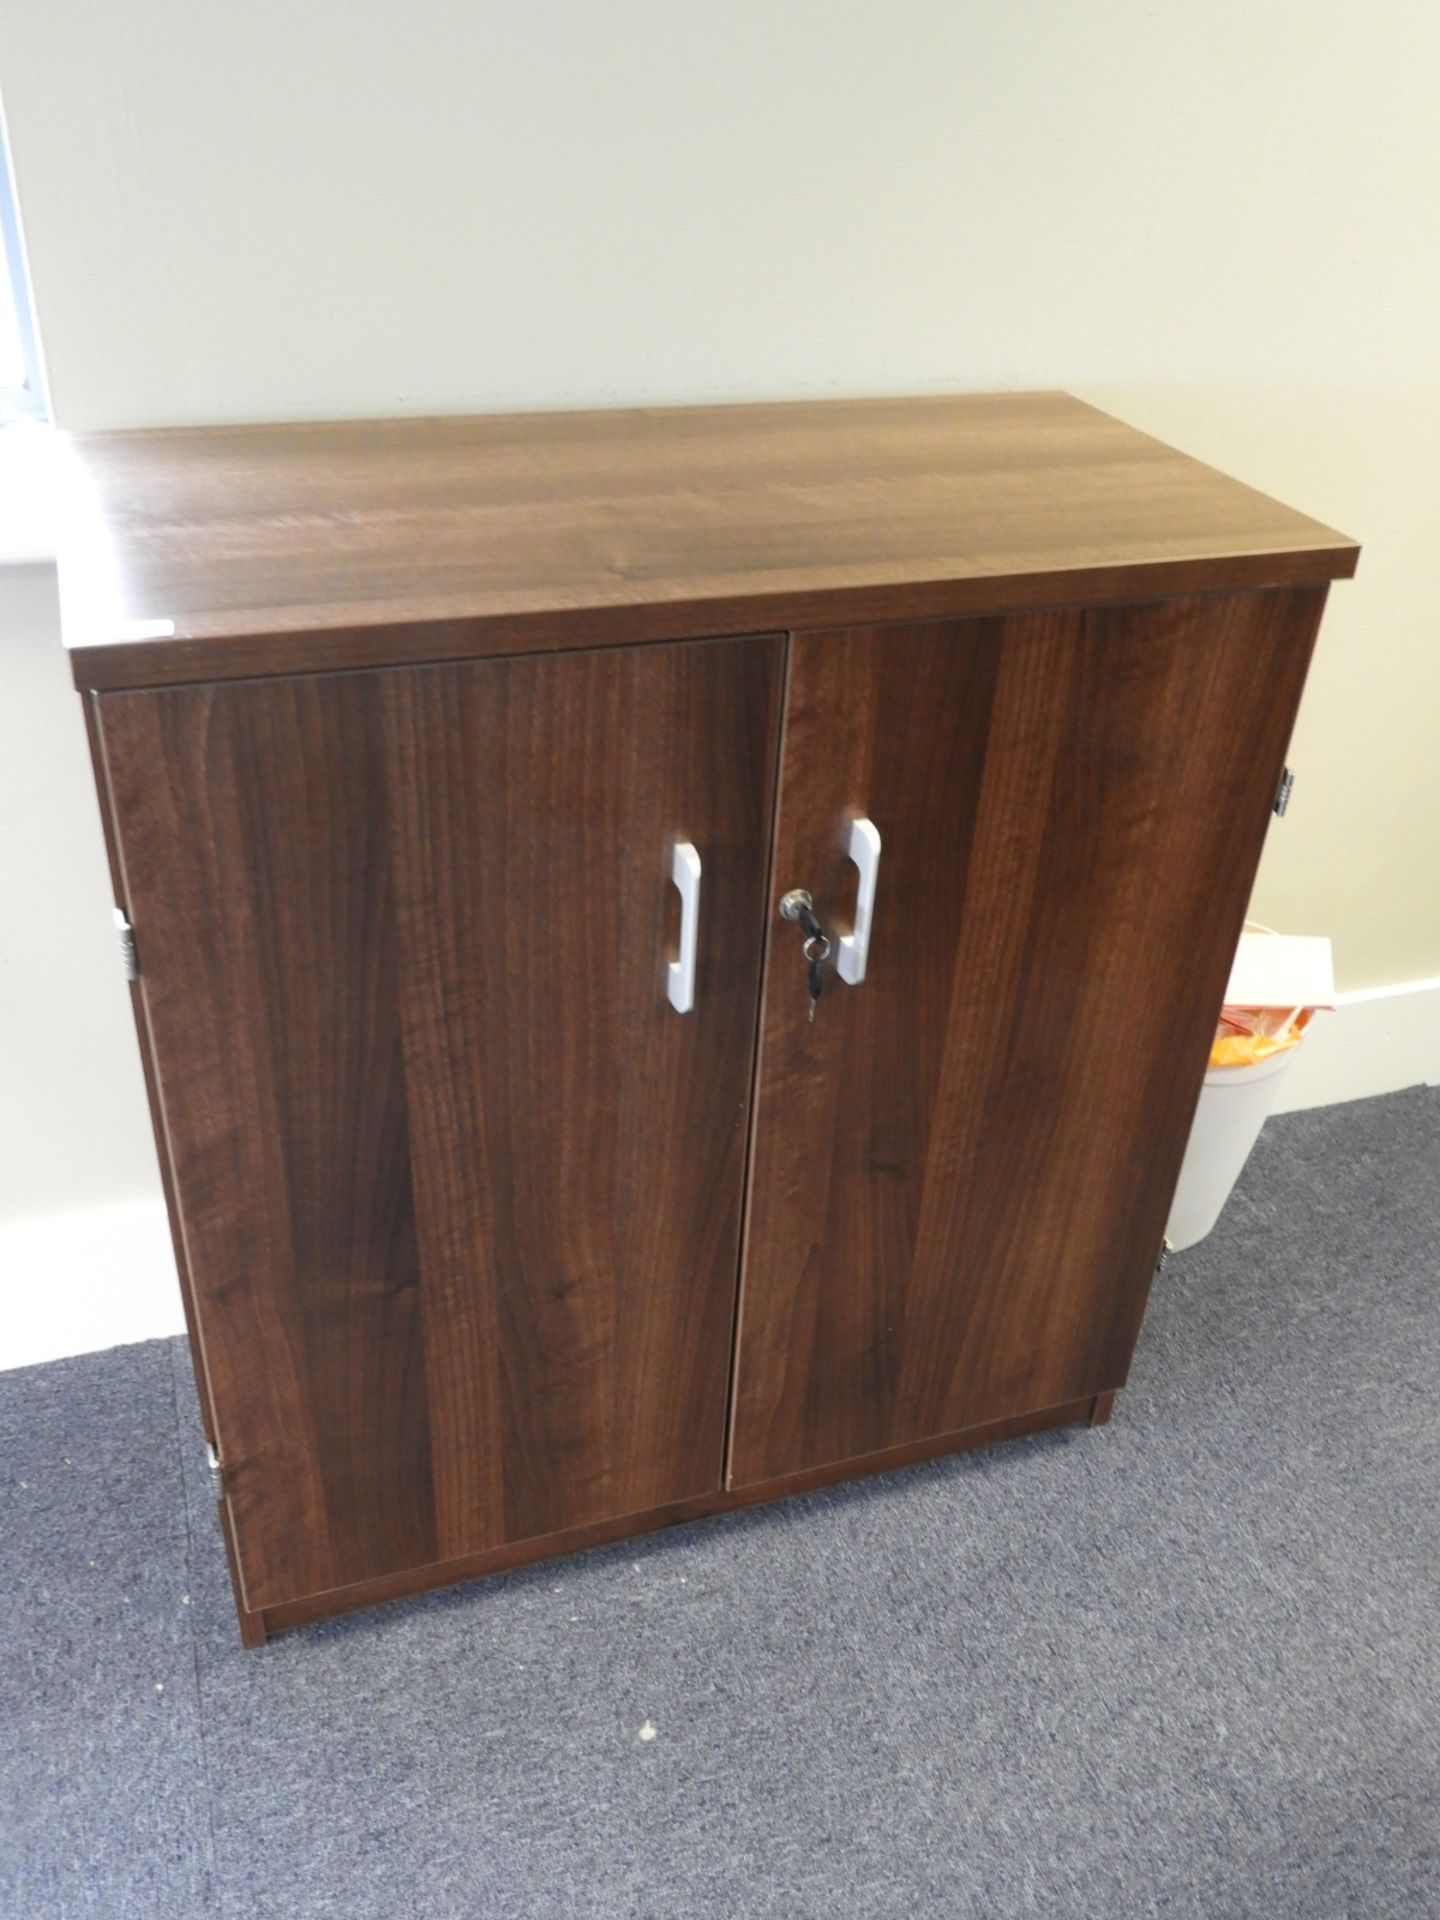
1282, 970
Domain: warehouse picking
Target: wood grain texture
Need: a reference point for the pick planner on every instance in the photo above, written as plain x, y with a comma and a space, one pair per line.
196, 554
962, 1168
458, 1190
252, 1626
374, 1593
147, 1068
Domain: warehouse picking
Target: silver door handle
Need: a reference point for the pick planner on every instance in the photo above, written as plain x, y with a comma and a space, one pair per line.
863, 848
685, 872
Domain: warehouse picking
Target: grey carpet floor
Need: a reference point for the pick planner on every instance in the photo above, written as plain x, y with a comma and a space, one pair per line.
1186, 1664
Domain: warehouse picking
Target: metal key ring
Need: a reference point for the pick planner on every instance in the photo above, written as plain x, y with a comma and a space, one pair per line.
816, 948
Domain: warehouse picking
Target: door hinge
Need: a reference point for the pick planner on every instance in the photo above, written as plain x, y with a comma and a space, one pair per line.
1284, 791
1165, 1251
129, 958
214, 1466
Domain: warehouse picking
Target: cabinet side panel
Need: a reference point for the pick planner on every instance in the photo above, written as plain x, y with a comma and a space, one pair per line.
147, 1064
963, 1167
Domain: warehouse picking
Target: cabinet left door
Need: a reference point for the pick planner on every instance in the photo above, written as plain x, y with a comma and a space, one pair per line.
458, 1188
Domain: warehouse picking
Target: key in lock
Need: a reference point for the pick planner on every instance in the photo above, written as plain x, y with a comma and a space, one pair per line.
798, 907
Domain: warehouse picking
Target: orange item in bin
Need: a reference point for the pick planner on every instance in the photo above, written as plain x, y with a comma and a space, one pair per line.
1248, 1035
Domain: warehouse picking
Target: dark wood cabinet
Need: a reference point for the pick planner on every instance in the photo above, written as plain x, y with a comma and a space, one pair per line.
962, 1170
455, 1175
452, 774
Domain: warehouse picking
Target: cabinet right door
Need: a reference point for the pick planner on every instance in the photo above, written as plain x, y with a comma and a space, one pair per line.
961, 1168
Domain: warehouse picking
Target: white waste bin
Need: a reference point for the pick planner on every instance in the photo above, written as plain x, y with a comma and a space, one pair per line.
1233, 1106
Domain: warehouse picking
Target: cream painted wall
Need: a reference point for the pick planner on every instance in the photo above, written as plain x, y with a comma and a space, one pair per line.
1220, 221
1358, 854
73, 1124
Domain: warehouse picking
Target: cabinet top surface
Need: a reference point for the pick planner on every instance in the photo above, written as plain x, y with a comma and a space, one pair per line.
189, 553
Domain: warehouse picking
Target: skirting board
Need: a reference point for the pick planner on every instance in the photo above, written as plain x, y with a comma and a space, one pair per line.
105, 1276
1378, 1040
77, 1282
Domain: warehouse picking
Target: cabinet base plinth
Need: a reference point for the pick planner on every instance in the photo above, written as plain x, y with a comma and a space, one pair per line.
252, 1625
257, 1627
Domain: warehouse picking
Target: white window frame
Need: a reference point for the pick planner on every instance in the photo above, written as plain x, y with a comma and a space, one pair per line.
25, 402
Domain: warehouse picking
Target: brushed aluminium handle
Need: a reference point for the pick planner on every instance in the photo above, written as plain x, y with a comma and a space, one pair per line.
864, 849
685, 872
